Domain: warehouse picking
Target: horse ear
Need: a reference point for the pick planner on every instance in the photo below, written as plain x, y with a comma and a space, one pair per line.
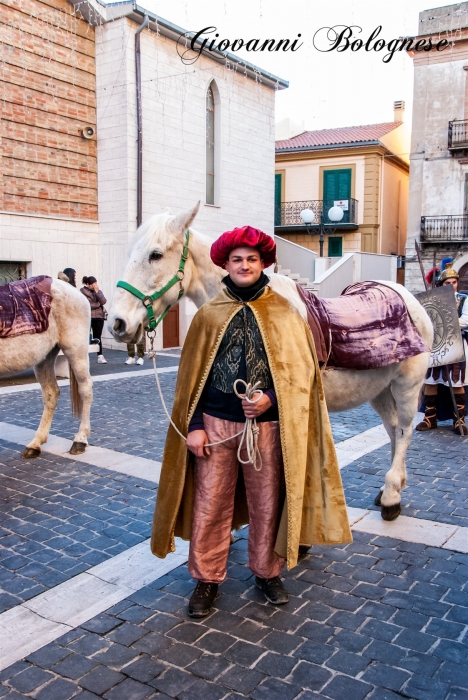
181, 222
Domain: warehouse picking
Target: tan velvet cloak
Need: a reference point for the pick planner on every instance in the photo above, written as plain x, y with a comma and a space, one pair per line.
314, 511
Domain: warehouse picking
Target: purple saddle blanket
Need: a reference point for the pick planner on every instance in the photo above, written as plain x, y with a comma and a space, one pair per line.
367, 327
25, 306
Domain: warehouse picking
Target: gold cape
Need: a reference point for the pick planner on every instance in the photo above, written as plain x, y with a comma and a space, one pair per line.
314, 511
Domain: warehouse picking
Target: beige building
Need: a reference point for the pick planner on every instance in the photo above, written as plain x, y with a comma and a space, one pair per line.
438, 199
362, 169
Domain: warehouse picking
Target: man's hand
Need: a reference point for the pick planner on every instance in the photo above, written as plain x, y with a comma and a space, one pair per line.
254, 410
196, 441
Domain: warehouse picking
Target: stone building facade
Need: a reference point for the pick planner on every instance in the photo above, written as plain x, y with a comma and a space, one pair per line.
438, 196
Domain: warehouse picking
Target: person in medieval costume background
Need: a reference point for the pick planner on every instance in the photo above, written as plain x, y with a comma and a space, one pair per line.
436, 399
292, 494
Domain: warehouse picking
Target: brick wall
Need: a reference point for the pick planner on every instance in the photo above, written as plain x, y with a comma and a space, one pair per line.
48, 87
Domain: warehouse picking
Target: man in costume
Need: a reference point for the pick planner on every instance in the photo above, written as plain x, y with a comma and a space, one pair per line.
291, 493
439, 375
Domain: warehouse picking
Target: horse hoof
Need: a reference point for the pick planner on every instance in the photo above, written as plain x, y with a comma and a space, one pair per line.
30, 453
378, 499
391, 512
78, 448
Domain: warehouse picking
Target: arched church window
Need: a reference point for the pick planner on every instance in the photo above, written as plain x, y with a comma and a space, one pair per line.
213, 114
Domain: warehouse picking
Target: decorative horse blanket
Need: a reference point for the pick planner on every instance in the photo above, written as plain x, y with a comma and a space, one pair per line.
25, 306
367, 327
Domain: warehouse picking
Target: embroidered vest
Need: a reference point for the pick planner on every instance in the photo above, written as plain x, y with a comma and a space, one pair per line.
242, 337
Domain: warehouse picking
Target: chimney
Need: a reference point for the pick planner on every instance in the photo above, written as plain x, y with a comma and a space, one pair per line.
399, 111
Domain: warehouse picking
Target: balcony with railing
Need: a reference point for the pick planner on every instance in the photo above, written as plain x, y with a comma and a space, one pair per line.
444, 229
458, 138
288, 214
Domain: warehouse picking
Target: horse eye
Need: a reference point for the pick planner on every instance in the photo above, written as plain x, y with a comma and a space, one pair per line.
155, 256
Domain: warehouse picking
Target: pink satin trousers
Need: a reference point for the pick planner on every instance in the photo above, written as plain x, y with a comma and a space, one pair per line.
215, 486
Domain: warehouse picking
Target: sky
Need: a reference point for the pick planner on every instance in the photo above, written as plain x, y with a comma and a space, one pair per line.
326, 89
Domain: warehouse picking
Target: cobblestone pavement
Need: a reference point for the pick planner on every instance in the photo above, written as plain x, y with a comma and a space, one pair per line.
126, 414
377, 619
59, 517
437, 485
115, 363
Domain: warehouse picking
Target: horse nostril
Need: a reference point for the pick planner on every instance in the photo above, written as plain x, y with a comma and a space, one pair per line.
119, 326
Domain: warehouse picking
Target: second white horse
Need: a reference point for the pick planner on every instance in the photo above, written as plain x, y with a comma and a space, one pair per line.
69, 322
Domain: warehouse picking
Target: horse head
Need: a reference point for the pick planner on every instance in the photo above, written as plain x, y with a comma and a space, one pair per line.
154, 261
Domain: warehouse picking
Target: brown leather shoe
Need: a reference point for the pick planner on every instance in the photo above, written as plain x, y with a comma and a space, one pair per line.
202, 599
461, 413
464, 428
273, 590
429, 422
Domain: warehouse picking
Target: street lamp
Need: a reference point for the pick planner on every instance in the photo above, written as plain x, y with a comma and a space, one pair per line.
335, 214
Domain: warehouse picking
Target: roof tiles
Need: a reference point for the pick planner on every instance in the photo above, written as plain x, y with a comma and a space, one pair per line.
331, 137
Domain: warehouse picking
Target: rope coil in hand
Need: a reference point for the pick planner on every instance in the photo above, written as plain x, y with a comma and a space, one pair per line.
251, 429
249, 432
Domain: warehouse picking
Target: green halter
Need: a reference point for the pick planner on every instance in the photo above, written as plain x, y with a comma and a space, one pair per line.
148, 299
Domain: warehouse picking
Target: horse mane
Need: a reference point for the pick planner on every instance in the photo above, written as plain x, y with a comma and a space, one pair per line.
156, 229
155, 226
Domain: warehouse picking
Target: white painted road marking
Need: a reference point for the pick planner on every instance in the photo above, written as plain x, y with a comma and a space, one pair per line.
17, 389
409, 529
97, 456
35, 623
350, 450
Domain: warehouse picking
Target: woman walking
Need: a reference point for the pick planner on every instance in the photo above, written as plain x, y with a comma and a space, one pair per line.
98, 314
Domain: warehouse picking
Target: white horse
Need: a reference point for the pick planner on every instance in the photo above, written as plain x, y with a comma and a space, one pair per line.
69, 322
392, 391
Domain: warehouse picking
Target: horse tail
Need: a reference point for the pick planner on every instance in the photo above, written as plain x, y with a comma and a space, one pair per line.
76, 400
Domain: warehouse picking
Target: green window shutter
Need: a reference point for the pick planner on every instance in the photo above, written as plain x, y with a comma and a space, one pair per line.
335, 247
336, 184
278, 188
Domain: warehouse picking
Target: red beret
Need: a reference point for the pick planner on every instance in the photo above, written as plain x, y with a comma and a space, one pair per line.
245, 237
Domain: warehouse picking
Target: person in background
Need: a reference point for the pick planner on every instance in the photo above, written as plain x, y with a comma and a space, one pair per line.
131, 352
98, 314
439, 375
68, 275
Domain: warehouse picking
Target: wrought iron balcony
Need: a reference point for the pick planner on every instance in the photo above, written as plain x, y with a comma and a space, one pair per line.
458, 137
444, 229
289, 213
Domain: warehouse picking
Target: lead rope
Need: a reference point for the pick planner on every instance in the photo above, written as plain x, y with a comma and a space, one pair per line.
249, 432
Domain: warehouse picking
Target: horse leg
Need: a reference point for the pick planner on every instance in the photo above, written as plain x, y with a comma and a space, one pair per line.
45, 375
384, 404
405, 389
79, 363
